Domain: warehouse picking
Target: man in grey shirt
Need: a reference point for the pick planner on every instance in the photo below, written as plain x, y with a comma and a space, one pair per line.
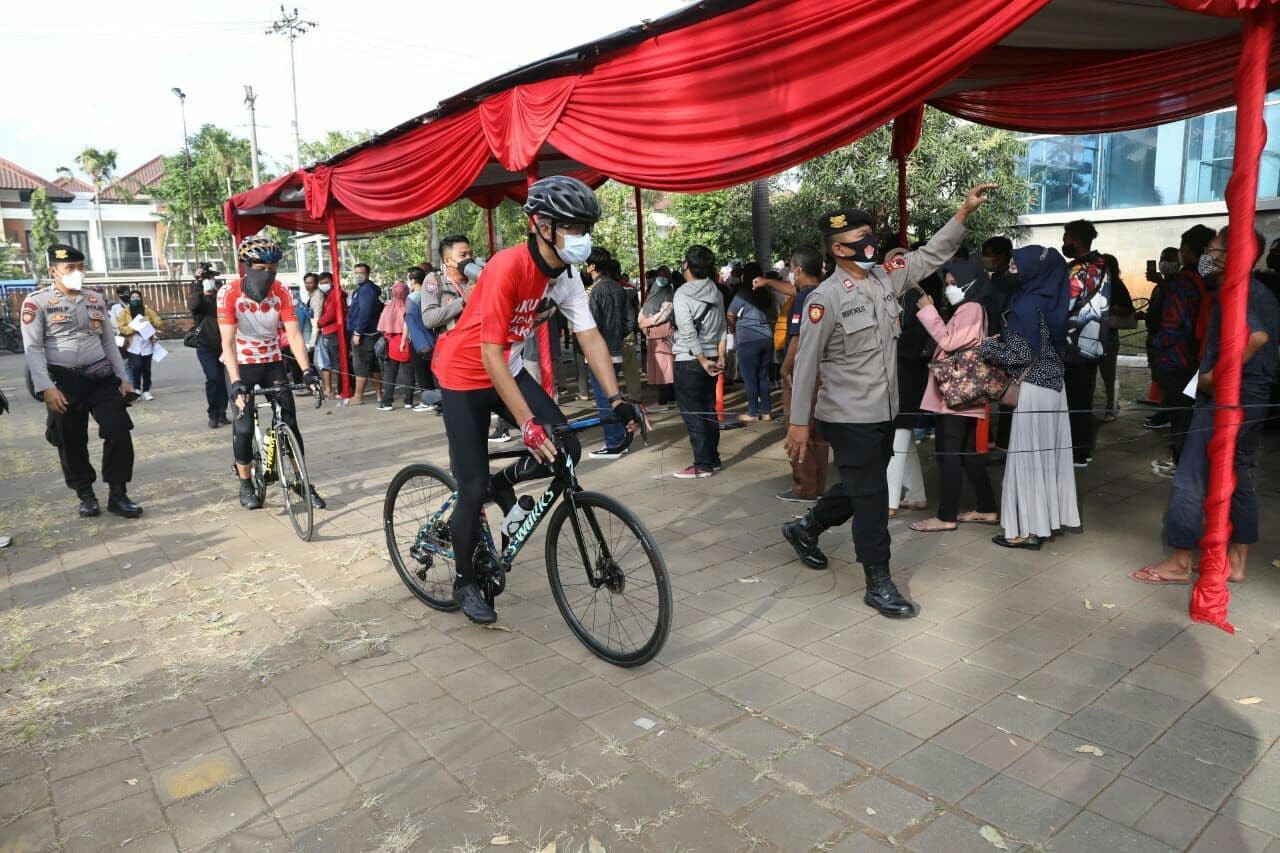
850, 332
77, 371
699, 348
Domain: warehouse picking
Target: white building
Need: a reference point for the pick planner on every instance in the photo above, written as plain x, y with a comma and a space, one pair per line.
128, 245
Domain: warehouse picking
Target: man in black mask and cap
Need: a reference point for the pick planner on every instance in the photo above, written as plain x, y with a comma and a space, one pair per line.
850, 330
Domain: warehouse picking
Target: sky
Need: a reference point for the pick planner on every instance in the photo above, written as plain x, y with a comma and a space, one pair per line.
100, 74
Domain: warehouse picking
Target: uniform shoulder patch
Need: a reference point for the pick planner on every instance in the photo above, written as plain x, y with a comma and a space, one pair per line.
29, 310
431, 286
815, 313
848, 284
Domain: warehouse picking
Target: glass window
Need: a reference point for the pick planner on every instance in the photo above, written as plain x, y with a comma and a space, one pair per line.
129, 253
1130, 179
1211, 141
1063, 171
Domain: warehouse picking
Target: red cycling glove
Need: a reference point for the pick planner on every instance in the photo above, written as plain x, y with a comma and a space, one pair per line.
533, 435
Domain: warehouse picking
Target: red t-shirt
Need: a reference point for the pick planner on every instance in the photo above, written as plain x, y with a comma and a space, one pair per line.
257, 324
501, 311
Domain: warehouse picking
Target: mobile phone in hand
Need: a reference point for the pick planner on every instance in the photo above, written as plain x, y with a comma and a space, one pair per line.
1152, 268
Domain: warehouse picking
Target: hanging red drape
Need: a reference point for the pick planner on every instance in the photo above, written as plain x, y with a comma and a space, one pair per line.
344, 375
906, 136
1210, 597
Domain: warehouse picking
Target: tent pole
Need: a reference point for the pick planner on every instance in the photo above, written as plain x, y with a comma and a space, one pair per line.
1210, 597
493, 240
640, 246
344, 376
902, 201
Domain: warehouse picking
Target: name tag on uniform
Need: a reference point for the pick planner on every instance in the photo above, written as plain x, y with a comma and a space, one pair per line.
59, 318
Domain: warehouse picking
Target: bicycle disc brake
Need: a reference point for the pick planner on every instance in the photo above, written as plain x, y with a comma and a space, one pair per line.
608, 574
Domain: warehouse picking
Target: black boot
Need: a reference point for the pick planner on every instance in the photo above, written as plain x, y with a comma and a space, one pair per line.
803, 535
118, 502
468, 597
883, 595
249, 495
317, 501
88, 503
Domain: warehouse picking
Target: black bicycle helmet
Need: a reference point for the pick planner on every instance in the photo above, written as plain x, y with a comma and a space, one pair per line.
563, 199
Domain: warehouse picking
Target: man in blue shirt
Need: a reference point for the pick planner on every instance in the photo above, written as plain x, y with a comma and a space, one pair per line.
362, 324
810, 476
1184, 516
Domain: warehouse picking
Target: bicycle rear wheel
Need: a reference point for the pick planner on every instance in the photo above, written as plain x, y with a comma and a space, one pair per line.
608, 579
295, 485
418, 537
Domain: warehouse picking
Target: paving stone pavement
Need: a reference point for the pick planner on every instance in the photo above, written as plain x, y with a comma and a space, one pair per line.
200, 679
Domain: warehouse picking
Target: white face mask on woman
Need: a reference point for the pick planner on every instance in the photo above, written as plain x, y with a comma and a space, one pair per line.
954, 294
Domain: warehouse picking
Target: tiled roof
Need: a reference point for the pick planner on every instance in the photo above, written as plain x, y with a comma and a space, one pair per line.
138, 181
74, 185
14, 177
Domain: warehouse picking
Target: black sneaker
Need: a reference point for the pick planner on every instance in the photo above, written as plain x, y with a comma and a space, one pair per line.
790, 496
1157, 421
222, 421
249, 497
499, 436
468, 597
89, 507
608, 453
213, 423
118, 503
317, 501
386, 407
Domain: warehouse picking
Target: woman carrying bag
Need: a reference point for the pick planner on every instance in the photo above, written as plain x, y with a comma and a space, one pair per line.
955, 444
655, 323
1039, 495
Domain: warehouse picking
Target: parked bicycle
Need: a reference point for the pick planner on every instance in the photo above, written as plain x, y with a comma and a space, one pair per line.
607, 576
277, 457
10, 336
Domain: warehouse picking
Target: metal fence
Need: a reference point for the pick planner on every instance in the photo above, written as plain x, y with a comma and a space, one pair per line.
166, 298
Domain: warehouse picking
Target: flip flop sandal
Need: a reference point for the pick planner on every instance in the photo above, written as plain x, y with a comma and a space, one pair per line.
912, 505
919, 527
1196, 570
972, 518
1148, 575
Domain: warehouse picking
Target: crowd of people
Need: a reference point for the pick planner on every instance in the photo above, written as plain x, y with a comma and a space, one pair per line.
864, 339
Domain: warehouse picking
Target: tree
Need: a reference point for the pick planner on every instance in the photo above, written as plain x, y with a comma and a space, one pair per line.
100, 166
719, 220
44, 229
952, 156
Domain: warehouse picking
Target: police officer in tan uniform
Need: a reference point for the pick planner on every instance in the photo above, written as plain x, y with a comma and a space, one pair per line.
850, 333
444, 293
77, 371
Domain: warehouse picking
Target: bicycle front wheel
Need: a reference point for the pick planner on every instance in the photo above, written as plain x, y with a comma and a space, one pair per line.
609, 579
418, 536
295, 485
258, 472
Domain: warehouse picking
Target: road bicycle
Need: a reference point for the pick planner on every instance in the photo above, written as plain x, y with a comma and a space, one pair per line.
278, 458
607, 576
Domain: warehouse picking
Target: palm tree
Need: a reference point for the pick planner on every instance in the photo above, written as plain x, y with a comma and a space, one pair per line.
100, 166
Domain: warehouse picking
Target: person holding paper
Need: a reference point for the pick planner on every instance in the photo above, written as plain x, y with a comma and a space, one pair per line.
139, 327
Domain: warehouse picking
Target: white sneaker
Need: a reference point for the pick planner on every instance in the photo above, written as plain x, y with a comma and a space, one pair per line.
422, 407
608, 453
146, 395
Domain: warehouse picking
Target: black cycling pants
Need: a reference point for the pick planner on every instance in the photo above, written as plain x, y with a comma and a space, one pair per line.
265, 375
466, 422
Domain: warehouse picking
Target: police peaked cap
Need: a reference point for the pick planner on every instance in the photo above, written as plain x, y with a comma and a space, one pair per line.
837, 221
61, 253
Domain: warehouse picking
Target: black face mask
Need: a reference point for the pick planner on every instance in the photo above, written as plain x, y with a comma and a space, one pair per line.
1069, 250
256, 283
1273, 261
864, 250
1013, 279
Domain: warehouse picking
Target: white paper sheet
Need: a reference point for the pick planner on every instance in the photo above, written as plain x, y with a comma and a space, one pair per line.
142, 326
1190, 390
159, 354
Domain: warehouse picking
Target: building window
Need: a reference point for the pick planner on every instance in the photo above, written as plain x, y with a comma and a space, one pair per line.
1063, 171
129, 253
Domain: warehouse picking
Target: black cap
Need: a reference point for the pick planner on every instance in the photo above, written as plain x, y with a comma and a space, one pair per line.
61, 253
836, 221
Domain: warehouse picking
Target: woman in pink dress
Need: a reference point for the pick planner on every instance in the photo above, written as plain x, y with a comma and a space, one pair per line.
655, 322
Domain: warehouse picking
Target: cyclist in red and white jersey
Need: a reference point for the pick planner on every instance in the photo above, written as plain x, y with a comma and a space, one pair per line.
250, 313
479, 368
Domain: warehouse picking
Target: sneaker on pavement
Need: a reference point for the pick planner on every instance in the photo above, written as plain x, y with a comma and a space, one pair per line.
608, 453
1157, 421
386, 407
499, 436
791, 496
693, 472
422, 407
148, 396
468, 597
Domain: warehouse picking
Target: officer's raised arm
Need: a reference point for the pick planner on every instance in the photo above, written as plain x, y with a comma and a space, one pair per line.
816, 328
926, 260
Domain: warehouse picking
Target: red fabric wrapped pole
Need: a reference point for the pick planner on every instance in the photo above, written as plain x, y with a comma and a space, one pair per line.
344, 375
644, 282
493, 231
906, 136
1210, 597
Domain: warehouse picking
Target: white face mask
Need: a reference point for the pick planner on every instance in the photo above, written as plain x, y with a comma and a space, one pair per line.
325, 288
361, 278
209, 285
791, 276
954, 294
577, 248
73, 280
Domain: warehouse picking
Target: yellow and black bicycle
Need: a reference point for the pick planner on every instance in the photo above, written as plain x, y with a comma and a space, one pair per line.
278, 458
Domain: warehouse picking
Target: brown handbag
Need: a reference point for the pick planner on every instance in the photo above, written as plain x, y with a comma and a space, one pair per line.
965, 380
1010, 396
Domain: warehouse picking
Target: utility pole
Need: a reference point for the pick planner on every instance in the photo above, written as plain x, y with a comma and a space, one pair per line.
291, 26
250, 100
186, 151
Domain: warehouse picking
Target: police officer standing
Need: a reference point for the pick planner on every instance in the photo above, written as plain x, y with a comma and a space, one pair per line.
76, 369
850, 333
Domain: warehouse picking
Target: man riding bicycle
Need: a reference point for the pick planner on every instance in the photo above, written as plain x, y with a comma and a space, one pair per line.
250, 312
480, 371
